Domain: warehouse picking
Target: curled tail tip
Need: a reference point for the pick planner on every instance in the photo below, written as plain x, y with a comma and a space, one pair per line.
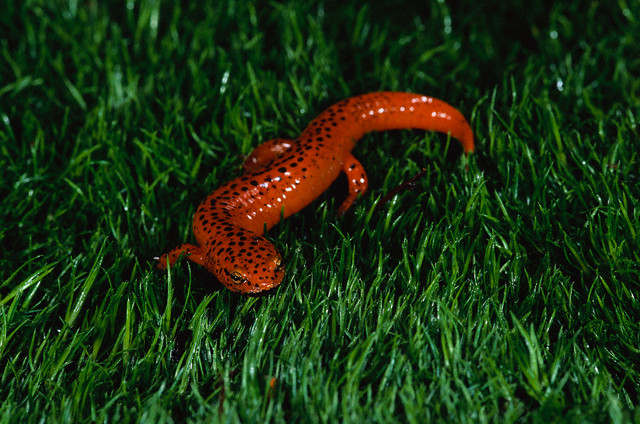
469, 148
467, 140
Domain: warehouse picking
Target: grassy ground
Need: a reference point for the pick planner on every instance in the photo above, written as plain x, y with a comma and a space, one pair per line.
508, 292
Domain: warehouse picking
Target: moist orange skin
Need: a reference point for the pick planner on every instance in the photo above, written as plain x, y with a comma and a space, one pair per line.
283, 176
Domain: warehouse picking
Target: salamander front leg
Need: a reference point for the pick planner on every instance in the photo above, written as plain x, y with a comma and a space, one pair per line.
265, 153
190, 251
357, 179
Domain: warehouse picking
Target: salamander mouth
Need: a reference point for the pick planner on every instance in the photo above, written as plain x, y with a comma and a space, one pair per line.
264, 289
240, 280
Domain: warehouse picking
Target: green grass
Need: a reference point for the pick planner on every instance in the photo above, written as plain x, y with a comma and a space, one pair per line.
505, 292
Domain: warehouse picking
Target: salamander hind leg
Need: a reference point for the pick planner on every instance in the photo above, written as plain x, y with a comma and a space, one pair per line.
190, 251
357, 179
265, 153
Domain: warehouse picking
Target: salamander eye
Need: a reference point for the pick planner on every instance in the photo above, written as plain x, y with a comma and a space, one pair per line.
238, 276
276, 263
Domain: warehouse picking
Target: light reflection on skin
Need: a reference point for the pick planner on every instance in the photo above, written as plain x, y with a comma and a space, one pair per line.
441, 115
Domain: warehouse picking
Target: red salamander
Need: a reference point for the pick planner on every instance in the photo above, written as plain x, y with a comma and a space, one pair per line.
283, 176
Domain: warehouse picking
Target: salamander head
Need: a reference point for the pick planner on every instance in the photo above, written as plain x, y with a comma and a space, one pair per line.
252, 268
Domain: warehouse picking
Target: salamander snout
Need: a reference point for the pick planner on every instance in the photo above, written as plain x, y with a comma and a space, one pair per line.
273, 275
253, 268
